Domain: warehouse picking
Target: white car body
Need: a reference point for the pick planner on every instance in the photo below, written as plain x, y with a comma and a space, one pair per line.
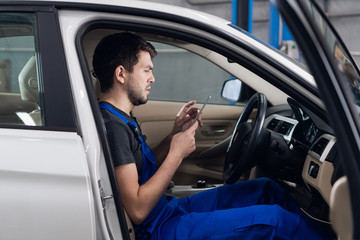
55, 184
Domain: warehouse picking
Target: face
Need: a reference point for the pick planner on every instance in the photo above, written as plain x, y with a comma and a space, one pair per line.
139, 81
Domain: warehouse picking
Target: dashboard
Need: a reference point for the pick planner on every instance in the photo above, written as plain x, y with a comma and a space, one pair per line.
302, 151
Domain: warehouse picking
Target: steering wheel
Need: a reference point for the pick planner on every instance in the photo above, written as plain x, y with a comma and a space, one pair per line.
247, 140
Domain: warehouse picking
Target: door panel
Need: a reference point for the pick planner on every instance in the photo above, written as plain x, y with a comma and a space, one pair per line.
156, 119
45, 185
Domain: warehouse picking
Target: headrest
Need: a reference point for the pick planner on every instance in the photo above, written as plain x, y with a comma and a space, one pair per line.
28, 82
96, 84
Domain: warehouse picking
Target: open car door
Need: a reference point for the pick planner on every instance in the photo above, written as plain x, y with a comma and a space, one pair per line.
337, 78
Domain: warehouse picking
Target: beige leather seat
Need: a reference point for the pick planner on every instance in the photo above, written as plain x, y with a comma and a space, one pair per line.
340, 209
28, 84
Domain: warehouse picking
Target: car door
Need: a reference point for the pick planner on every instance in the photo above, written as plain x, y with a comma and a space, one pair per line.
337, 77
44, 177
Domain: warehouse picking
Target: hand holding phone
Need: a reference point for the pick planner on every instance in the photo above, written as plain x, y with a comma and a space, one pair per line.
197, 116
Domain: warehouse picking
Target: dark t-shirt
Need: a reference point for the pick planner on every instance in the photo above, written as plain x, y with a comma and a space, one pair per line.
124, 146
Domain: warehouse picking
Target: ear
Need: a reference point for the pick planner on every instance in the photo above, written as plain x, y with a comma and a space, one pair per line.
119, 74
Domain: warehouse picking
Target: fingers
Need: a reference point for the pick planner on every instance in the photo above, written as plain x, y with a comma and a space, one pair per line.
192, 130
199, 120
193, 127
189, 104
183, 143
193, 112
184, 110
186, 116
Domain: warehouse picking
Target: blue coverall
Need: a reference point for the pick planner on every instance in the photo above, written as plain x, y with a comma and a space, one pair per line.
255, 209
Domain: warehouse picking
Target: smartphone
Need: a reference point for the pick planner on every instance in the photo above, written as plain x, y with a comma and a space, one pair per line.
197, 116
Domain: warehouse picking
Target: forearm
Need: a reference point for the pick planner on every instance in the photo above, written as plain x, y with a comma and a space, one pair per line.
156, 186
140, 200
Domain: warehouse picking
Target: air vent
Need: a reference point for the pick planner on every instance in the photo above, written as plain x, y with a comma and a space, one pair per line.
285, 128
272, 124
320, 145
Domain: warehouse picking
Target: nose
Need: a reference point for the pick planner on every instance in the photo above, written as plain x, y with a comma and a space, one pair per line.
152, 78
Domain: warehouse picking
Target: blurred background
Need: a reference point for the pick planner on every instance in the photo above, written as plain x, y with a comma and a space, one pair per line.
261, 19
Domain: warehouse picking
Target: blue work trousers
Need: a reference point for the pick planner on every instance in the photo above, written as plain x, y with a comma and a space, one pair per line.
256, 209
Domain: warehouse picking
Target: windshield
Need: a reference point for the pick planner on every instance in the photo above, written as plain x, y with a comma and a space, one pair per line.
348, 70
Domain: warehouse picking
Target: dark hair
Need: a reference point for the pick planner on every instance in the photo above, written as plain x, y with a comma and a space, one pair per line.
115, 50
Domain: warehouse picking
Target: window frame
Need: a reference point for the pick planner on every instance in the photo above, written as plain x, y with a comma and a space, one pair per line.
53, 78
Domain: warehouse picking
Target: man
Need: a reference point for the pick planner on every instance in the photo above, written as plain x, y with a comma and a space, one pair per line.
248, 210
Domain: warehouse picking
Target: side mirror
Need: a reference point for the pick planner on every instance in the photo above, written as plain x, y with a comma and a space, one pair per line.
231, 90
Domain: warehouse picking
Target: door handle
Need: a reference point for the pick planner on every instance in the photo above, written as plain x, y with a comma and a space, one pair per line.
213, 133
103, 196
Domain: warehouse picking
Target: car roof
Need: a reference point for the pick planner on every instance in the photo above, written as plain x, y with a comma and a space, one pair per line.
141, 5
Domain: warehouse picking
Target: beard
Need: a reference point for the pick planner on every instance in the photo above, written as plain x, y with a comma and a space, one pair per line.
136, 99
136, 94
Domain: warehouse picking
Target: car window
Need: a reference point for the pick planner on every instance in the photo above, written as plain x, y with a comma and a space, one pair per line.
181, 75
19, 90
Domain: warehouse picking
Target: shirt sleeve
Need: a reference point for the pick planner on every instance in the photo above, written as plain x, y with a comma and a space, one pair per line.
121, 140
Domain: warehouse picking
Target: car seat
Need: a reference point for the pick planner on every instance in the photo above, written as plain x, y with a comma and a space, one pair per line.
340, 209
29, 91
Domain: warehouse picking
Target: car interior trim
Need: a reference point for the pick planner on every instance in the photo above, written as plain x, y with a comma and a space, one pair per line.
326, 150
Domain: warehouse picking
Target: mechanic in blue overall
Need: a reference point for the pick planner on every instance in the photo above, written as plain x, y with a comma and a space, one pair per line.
255, 209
